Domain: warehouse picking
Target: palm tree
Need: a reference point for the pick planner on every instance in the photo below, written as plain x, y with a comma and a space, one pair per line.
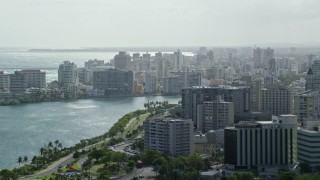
42, 151
56, 142
50, 144
25, 159
20, 160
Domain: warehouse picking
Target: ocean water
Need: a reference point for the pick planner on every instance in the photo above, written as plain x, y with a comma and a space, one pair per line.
12, 60
26, 128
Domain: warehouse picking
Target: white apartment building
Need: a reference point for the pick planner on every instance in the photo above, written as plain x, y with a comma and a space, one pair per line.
309, 143
67, 74
215, 114
276, 100
263, 145
169, 135
4, 82
307, 104
35, 78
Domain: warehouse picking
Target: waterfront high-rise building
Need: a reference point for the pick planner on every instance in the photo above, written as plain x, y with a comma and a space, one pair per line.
95, 62
171, 85
214, 115
17, 83
67, 74
136, 56
262, 145
150, 83
168, 135
122, 61
113, 82
35, 78
276, 100
83, 75
4, 82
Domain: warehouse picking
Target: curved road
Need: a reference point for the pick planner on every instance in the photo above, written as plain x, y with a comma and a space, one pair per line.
52, 168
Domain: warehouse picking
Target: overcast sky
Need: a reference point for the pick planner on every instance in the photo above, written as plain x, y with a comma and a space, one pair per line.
107, 23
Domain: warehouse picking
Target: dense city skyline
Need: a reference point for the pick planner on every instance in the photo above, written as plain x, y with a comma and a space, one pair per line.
98, 23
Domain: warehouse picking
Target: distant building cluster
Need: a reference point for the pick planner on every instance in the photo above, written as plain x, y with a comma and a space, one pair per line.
259, 107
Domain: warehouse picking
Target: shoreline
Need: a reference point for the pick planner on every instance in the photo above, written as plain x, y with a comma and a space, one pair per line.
13, 102
118, 130
102, 137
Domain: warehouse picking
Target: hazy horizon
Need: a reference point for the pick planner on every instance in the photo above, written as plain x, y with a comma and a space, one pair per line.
165, 23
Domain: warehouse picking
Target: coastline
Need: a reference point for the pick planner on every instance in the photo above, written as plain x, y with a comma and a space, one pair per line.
17, 102
68, 121
118, 130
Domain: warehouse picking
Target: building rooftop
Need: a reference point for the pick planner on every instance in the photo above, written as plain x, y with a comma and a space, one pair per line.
309, 93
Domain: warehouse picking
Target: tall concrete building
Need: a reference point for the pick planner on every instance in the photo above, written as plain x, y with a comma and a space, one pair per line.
113, 82
171, 85
122, 61
17, 83
168, 135
83, 75
308, 144
313, 76
67, 74
93, 62
188, 78
4, 82
214, 115
272, 69
150, 83
35, 78
261, 57
264, 145
307, 104
256, 94
161, 68
210, 56
91, 66
177, 61
276, 100
193, 96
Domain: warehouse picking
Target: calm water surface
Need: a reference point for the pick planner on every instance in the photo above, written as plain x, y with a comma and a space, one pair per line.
24, 129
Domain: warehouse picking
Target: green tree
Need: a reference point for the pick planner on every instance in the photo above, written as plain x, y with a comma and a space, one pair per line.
96, 154
305, 167
20, 160
286, 175
8, 175
25, 159
244, 176
104, 175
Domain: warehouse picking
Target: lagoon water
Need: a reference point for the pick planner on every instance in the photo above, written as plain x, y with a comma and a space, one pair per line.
25, 128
